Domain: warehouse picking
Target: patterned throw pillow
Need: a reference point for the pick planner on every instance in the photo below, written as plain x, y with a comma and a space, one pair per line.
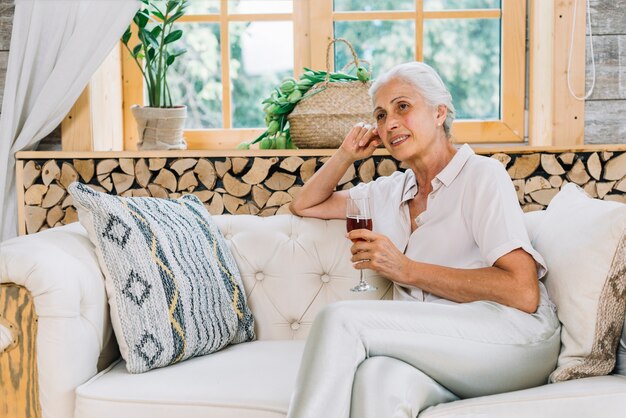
173, 286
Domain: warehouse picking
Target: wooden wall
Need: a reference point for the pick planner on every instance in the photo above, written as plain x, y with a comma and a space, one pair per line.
605, 109
6, 25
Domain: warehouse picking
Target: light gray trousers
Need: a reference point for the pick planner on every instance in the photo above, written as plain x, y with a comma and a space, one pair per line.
459, 350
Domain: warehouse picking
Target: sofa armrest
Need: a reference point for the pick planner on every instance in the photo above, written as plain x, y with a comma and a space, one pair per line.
58, 267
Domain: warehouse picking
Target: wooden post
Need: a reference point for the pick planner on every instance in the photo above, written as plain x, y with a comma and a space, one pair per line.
556, 117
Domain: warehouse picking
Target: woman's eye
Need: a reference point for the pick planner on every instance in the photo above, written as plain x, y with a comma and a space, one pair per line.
403, 106
380, 116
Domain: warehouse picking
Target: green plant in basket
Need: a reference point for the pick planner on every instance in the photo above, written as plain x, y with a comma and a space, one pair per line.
284, 98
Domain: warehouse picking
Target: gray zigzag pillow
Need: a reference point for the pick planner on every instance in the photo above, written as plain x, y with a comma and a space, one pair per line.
173, 286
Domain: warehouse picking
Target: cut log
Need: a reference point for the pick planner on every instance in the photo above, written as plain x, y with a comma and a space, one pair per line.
531, 207
187, 182
239, 164
70, 216
602, 188
68, 201
222, 167
536, 183
140, 192
232, 203
268, 212
175, 195
166, 179
260, 195
219, 190
606, 155
31, 172
68, 175
347, 186
235, 187
142, 174
621, 185
590, 188
291, 164
524, 166
34, 195
280, 181
567, 158
245, 209
85, 168
217, 205
284, 210
520, 189
122, 182
260, 168
127, 193
35, 217
279, 199
105, 167
348, 175
105, 182
367, 170
307, 169
204, 195
556, 181
157, 191
621, 198
386, 167
294, 191
324, 159
528, 199
578, 174
615, 168
54, 215
54, 196
206, 173
594, 166
544, 196
156, 164
550, 165
128, 166
183, 164
504, 159
96, 188
50, 171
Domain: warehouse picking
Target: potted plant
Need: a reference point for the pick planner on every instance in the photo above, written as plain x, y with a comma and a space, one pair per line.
160, 124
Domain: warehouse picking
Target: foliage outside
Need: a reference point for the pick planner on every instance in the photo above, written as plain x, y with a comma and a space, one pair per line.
154, 54
466, 52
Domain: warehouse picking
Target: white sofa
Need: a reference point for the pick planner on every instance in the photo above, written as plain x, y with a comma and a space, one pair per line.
291, 268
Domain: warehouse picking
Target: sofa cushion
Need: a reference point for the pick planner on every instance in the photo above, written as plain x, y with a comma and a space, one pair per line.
251, 380
601, 396
584, 244
173, 286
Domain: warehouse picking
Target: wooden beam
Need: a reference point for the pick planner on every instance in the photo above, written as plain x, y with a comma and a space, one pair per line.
556, 117
132, 88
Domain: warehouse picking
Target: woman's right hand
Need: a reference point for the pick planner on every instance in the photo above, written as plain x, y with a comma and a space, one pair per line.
361, 141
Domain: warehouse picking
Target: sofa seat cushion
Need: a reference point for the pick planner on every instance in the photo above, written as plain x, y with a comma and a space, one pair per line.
601, 396
252, 380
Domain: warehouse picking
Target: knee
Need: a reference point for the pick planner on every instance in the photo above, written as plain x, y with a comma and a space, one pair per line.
336, 314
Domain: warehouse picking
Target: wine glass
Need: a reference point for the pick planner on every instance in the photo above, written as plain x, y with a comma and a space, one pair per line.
358, 216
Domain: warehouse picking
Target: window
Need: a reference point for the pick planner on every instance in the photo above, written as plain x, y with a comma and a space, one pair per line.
239, 50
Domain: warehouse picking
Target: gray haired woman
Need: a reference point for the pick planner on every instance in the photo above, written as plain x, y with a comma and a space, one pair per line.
469, 315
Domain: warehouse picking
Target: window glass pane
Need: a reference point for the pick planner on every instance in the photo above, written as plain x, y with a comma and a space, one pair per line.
196, 80
461, 4
466, 53
260, 6
384, 43
368, 5
261, 56
201, 7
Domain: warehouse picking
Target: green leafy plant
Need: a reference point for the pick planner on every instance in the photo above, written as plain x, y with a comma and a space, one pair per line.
154, 53
284, 99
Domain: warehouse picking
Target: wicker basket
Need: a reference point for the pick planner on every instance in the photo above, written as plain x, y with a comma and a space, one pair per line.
324, 118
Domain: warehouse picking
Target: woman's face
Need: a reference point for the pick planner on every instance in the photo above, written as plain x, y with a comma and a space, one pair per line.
407, 126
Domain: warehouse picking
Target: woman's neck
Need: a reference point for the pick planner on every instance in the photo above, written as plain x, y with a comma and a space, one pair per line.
429, 164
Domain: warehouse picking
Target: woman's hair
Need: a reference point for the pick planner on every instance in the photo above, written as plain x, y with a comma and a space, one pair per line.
426, 81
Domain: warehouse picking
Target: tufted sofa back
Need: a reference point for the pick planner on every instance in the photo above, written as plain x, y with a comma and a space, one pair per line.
291, 268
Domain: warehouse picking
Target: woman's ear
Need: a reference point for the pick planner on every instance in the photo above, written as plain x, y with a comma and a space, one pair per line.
442, 113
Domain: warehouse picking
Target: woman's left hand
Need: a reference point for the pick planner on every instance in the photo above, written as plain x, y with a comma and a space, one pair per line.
377, 252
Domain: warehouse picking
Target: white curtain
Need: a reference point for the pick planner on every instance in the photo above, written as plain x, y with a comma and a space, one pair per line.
56, 46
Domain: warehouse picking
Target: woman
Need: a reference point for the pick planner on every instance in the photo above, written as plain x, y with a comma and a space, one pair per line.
469, 310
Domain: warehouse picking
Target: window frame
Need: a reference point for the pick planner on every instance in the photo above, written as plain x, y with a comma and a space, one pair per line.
310, 51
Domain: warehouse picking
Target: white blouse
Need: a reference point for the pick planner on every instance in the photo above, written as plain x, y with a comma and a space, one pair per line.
472, 217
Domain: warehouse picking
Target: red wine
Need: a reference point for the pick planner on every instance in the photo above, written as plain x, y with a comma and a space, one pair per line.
358, 223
